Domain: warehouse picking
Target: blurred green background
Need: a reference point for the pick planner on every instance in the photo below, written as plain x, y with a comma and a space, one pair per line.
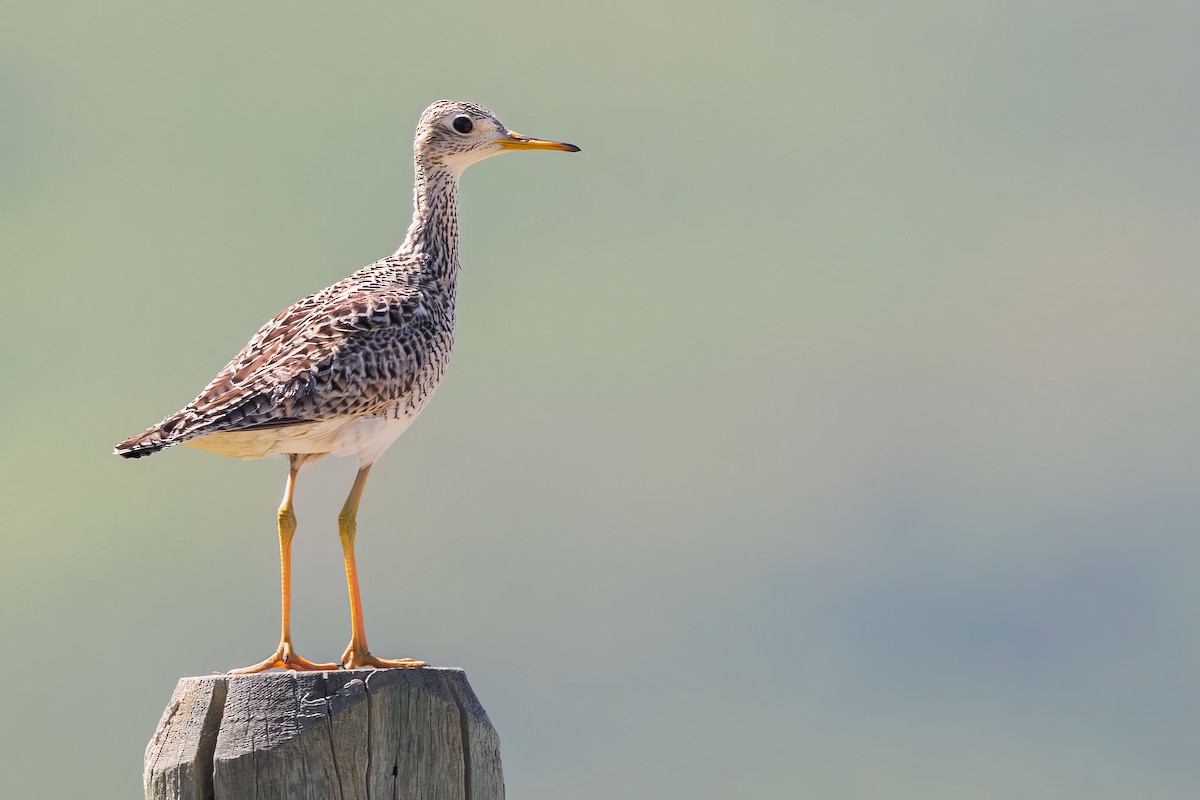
827, 427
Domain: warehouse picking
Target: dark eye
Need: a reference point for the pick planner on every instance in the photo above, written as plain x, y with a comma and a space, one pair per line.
463, 124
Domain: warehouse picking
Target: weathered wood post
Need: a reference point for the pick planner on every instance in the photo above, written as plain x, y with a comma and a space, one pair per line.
409, 733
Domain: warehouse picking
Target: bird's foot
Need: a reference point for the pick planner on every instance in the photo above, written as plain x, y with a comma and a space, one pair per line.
285, 658
359, 657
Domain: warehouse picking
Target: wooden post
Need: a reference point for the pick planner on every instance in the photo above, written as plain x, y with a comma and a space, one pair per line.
350, 735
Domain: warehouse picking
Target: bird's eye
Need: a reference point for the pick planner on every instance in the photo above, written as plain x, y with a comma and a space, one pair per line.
463, 124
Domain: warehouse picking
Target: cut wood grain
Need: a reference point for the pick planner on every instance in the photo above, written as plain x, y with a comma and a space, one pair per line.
419, 734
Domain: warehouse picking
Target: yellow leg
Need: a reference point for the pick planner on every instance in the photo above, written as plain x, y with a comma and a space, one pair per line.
357, 654
284, 655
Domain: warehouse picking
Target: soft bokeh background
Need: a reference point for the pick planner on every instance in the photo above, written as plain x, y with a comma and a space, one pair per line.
828, 427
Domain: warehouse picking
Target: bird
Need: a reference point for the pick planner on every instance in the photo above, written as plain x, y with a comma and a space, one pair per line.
345, 370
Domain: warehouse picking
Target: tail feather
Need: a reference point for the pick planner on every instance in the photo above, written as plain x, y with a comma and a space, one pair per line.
160, 437
252, 412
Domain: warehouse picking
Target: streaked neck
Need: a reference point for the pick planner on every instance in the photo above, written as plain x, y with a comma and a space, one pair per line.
434, 230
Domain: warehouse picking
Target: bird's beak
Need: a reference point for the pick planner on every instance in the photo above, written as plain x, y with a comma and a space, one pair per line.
512, 140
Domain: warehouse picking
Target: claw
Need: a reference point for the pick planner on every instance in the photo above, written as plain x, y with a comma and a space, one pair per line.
355, 658
285, 658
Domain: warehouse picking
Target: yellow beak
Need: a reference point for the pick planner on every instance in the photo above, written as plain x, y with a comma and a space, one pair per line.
515, 141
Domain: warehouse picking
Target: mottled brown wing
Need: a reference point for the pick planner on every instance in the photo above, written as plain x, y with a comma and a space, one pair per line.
347, 349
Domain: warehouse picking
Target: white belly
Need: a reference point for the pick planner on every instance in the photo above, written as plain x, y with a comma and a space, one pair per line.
366, 437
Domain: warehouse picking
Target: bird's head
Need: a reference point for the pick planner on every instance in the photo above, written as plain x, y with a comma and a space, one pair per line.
458, 134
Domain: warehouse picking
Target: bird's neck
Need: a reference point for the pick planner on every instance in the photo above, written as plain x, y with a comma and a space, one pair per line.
433, 235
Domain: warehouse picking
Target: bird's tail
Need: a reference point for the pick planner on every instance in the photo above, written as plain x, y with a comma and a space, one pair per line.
160, 437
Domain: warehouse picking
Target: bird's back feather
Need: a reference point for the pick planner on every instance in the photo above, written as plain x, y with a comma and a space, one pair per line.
374, 341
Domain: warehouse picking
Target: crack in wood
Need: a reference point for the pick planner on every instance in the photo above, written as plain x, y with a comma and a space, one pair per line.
464, 734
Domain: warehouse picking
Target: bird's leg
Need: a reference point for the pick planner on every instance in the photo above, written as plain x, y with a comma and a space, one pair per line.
357, 654
285, 656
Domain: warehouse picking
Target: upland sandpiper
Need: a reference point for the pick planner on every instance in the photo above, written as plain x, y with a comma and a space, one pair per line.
345, 370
